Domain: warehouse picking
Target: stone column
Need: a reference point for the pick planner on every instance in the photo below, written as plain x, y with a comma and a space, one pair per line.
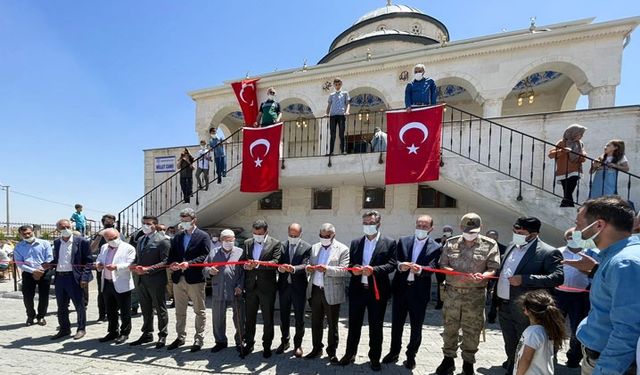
602, 97
492, 108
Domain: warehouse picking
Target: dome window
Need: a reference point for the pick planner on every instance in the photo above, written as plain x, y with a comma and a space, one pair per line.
416, 30
382, 27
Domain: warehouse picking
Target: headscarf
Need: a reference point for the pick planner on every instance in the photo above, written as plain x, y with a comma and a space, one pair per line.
570, 138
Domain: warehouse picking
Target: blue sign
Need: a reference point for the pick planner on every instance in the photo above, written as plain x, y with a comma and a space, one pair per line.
165, 164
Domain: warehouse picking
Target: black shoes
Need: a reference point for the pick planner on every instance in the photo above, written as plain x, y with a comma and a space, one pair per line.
447, 366
175, 344
196, 347
347, 359
60, 335
29, 322
266, 353
161, 341
376, 366
314, 353
41, 322
246, 350
121, 339
218, 347
410, 363
145, 338
283, 347
390, 358
109, 337
467, 368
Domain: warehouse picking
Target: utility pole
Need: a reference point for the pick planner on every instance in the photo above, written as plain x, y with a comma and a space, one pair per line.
6, 188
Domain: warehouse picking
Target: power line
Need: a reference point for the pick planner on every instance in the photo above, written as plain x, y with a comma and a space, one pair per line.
51, 201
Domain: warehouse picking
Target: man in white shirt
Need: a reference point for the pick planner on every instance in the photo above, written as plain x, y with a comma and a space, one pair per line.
202, 166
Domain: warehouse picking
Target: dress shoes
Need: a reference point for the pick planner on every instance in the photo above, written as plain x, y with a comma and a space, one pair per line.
298, 352
266, 353
142, 340
196, 347
175, 344
314, 353
218, 347
80, 334
376, 366
390, 358
246, 350
347, 359
410, 363
60, 335
29, 322
41, 322
283, 347
161, 341
110, 336
333, 359
121, 339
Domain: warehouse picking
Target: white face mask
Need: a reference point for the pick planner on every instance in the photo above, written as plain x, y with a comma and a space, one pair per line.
421, 234
370, 230
146, 229
519, 239
588, 243
227, 245
446, 234
185, 225
30, 239
470, 236
203, 147
214, 239
294, 240
326, 242
66, 233
259, 238
418, 76
571, 243
271, 97
213, 135
114, 243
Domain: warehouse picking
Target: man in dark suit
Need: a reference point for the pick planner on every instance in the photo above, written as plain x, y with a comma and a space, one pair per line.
374, 256
260, 285
528, 264
411, 288
152, 252
292, 287
72, 260
189, 247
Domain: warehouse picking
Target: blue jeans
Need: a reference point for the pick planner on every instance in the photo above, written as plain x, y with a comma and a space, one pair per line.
221, 167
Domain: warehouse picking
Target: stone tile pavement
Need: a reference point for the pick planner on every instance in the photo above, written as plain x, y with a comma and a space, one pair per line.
27, 350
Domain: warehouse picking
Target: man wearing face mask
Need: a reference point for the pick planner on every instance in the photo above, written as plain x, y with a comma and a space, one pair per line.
72, 261
447, 232
292, 287
373, 256
528, 264
108, 221
219, 154
260, 285
610, 332
574, 304
115, 259
269, 112
412, 288
215, 239
477, 256
227, 285
152, 252
326, 289
202, 166
191, 246
338, 109
30, 254
422, 91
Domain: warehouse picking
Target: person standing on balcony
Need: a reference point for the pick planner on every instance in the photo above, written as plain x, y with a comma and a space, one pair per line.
80, 220
569, 155
379, 140
338, 109
219, 155
464, 296
605, 169
269, 112
422, 91
202, 166
185, 166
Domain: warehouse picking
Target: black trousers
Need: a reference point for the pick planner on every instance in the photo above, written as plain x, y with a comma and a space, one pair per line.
117, 303
151, 295
67, 289
339, 122
266, 301
319, 309
102, 311
414, 303
575, 306
186, 184
29, 285
288, 298
568, 187
359, 302
512, 322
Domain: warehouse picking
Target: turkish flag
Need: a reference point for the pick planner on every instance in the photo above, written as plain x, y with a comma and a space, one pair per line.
260, 159
246, 93
413, 145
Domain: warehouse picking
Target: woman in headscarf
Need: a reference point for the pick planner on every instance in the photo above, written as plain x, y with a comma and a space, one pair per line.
569, 155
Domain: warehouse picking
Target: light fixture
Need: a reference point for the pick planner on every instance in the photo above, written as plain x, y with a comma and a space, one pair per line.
368, 54
301, 122
526, 93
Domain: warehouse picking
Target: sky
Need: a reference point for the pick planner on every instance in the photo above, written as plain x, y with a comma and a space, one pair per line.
85, 86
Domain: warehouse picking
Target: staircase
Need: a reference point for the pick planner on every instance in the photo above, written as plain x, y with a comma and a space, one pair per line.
491, 164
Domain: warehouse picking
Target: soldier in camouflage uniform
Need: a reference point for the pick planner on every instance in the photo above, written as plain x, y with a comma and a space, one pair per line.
464, 296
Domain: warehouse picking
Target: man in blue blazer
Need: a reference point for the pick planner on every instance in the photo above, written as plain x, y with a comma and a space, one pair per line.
72, 261
191, 246
411, 288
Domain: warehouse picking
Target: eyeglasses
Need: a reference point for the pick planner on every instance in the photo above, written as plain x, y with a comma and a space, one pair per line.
326, 236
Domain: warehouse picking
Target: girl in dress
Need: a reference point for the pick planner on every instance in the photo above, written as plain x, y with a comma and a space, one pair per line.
605, 169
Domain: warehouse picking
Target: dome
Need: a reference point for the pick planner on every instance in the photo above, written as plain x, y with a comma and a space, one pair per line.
389, 9
382, 32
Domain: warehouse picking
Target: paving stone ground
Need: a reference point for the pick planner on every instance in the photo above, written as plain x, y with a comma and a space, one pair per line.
27, 350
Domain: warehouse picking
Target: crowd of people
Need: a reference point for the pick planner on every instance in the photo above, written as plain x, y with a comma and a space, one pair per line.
532, 287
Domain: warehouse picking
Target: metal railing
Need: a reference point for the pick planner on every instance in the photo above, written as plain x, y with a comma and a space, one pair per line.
44, 231
521, 157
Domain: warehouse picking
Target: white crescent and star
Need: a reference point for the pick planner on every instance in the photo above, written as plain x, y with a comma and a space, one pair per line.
413, 149
256, 143
244, 86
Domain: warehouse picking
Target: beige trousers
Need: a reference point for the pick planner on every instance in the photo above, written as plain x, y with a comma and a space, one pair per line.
182, 293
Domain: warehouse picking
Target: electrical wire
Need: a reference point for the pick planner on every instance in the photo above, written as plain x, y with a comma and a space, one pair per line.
52, 201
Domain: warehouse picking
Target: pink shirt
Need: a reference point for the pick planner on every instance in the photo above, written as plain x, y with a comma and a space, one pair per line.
111, 252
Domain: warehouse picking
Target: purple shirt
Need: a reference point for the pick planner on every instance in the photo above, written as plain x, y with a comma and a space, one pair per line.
111, 252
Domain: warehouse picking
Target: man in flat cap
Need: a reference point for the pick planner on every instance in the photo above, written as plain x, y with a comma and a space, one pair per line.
528, 264
464, 298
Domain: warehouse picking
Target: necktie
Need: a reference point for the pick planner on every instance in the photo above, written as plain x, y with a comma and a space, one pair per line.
292, 252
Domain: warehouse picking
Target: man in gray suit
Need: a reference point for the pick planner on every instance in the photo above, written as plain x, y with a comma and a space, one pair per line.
152, 251
292, 287
527, 264
227, 283
260, 285
326, 289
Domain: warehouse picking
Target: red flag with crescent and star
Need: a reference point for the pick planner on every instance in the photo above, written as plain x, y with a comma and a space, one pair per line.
413, 145
246, 93
260, 159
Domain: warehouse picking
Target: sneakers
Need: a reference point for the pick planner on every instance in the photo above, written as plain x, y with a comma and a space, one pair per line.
447, 366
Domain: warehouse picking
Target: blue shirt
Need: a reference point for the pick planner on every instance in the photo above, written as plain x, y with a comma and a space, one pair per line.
186, 240
30, 256
613, 324
338, 102
79, 219
422, 92
217, 151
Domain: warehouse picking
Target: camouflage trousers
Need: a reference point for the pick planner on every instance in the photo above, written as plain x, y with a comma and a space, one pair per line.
463, 309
